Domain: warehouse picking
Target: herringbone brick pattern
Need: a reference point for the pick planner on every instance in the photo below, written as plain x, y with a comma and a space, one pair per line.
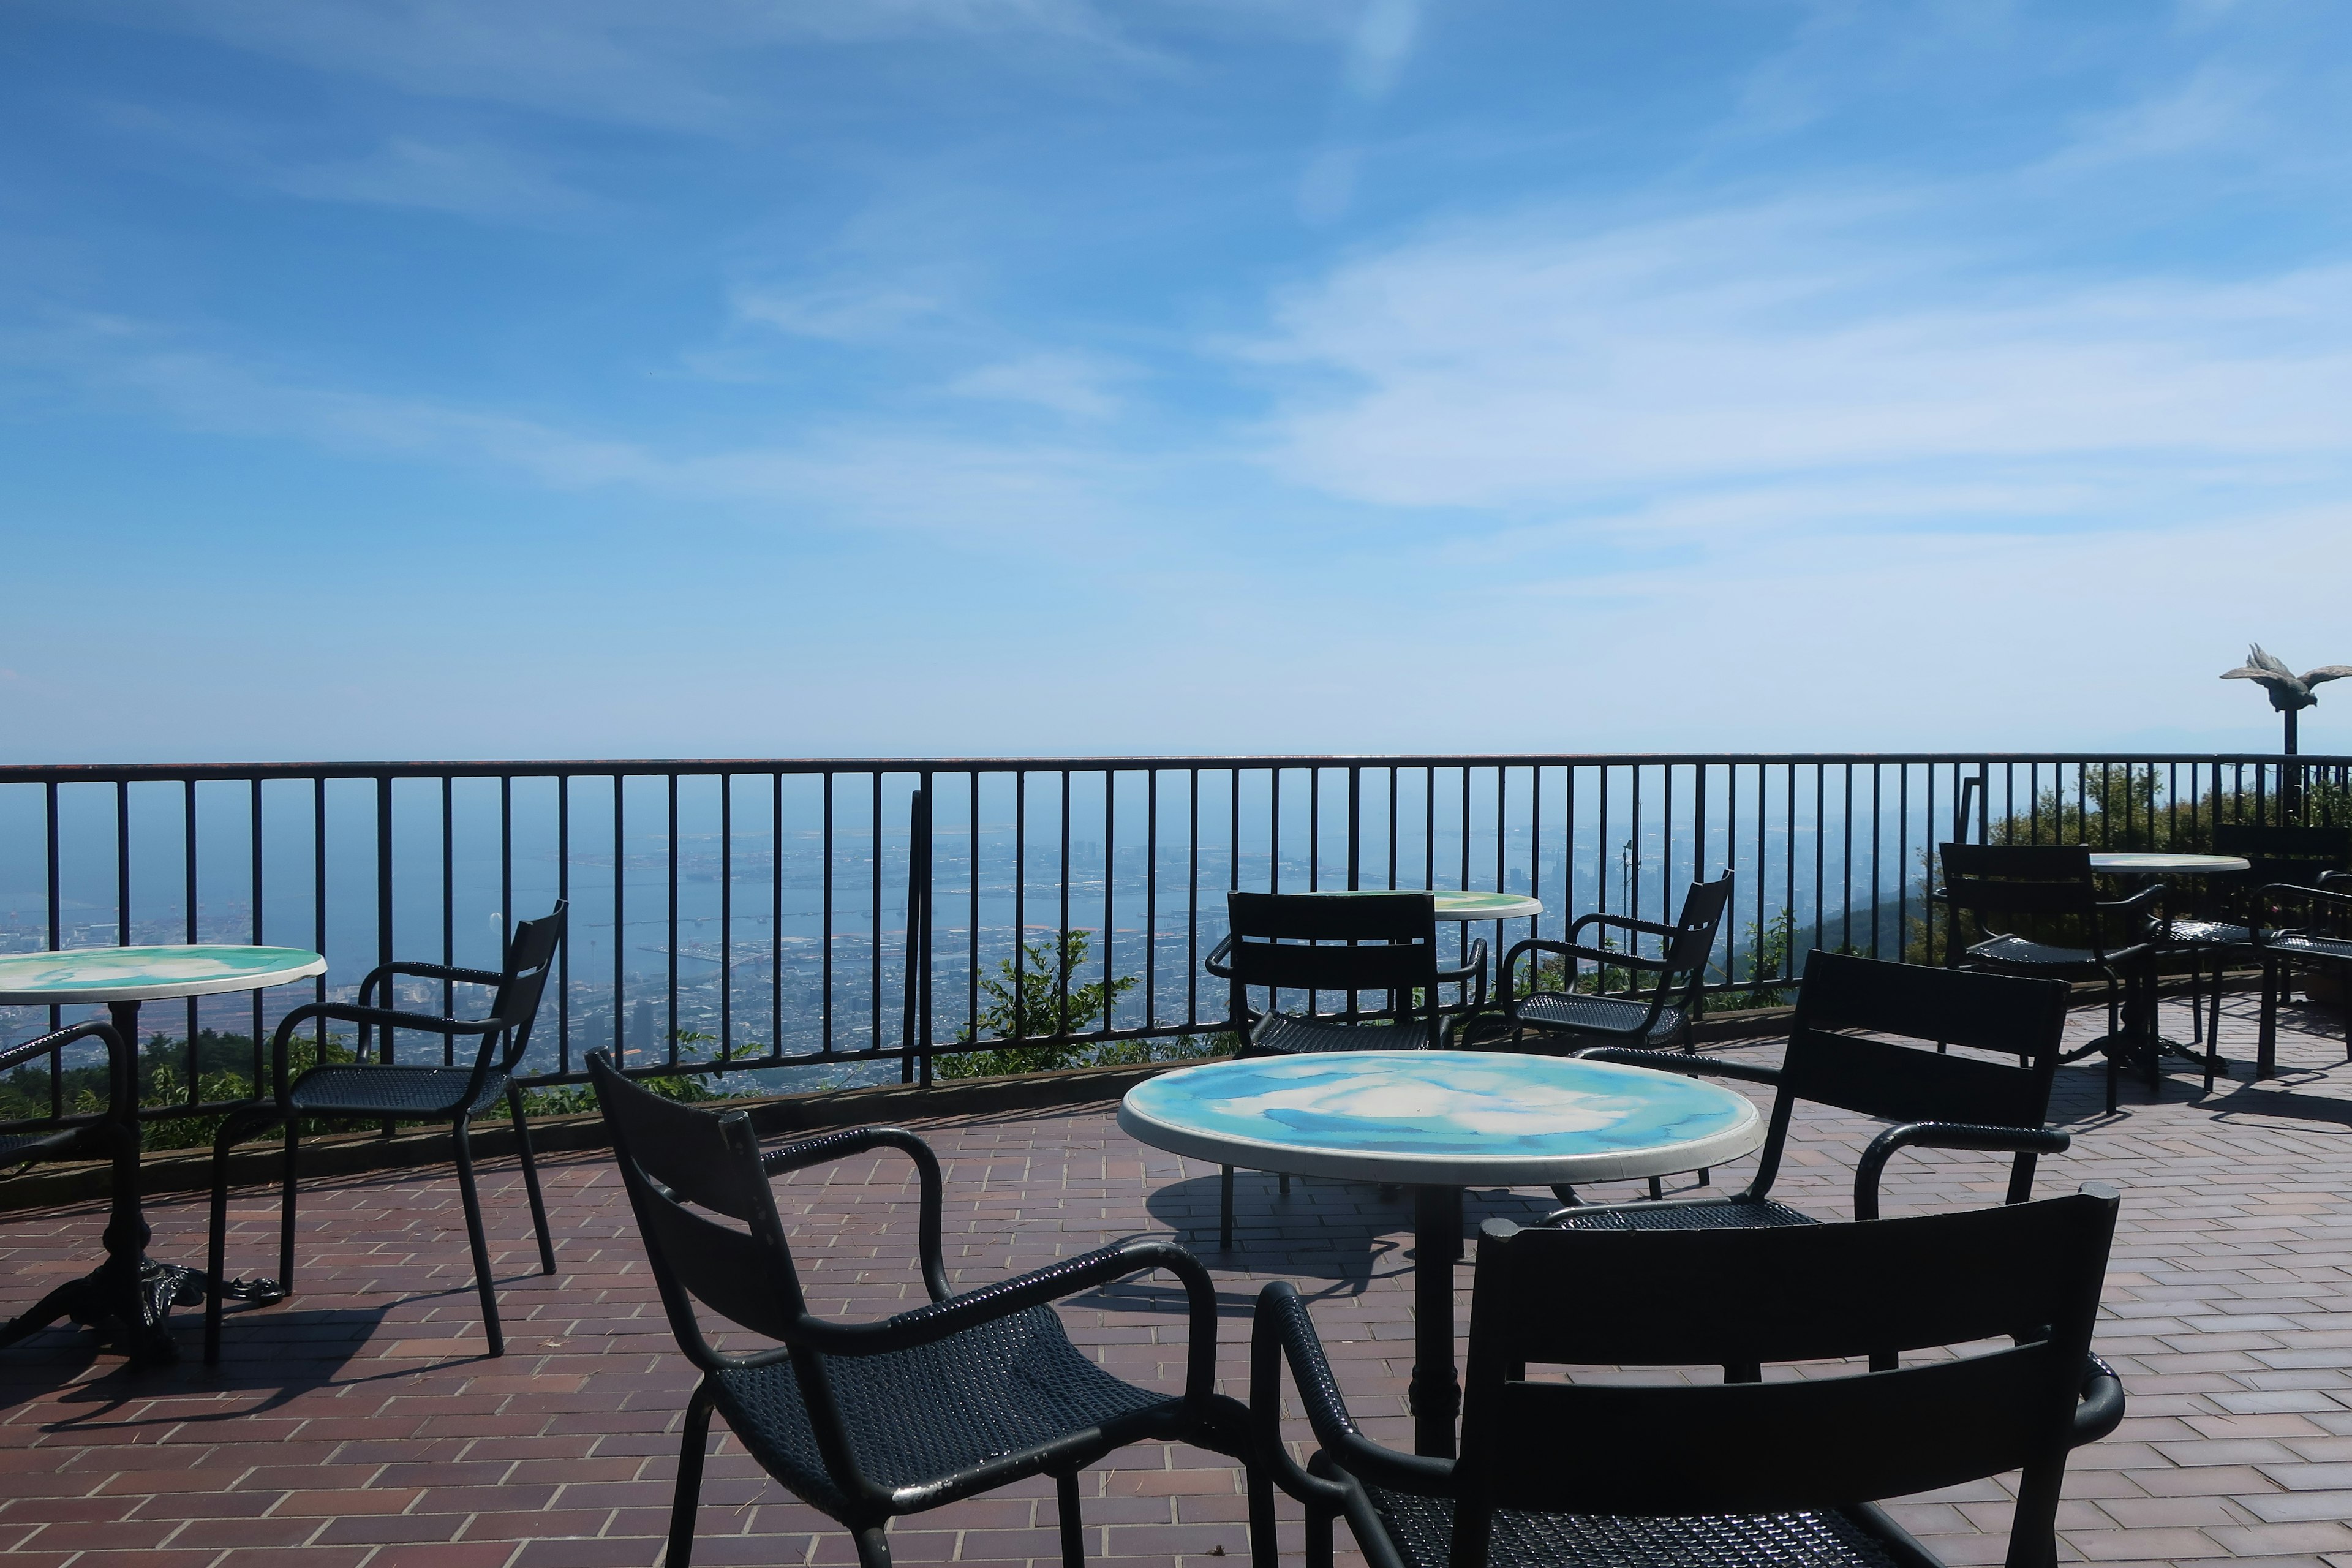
359, 1425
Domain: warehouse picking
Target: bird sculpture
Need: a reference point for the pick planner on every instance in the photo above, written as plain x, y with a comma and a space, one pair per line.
2290, 692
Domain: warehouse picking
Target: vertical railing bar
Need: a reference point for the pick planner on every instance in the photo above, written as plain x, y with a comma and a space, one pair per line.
448, 909
1273, 831
1903, 862
1150, 896
971, 928
1392, 772
1192, 895
669, 857
1601, 849
1789, 874
1109, 865
383, 904
253, 803
824, 957
563, 892
1062, 919
1020, 895
776, 913
726, 917
319, 896
56, 940
874, 912
1845, 863
1314, 835
1355, 827
620, 921
1821, 849
188, 897
1878, 868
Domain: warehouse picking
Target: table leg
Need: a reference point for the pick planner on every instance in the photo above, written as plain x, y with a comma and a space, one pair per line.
1436, 1387
128, 1298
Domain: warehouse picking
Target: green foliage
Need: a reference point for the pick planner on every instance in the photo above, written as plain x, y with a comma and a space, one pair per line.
224, 1068
1770, 944
686, 1089
1041, 998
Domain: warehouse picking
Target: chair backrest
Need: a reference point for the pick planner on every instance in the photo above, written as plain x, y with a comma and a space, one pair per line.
1841, 998
1687, 951
2019, 879
1658, 1299
675, 1161
2297, 855
1320, 941
531, 958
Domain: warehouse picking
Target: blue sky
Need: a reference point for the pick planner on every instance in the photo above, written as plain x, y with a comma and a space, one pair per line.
421, 378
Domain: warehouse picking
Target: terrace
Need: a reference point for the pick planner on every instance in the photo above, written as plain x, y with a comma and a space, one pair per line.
360, 1425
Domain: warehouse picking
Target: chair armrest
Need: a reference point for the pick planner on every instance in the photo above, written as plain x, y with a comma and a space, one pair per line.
1473, 968
1676, 1061
383, 972
1621, 923
1944, 1135
1215, 963
121, 1063
2102, 1407
387, 1019
1608, 955
1006, 1298
2336, 879
840, 1145
2133, 905
1281, 1331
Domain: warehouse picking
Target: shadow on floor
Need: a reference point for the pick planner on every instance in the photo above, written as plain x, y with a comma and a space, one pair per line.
275, 1356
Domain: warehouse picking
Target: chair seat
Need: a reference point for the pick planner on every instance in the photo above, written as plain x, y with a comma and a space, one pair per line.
2017, 953
396, 1091
1614, 1015
921, 1417
2303, 945
2208, 933
1288, 1035
1423, 1529
1743, 1214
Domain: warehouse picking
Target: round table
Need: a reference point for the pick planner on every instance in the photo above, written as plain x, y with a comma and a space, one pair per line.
1455, 903
128, 1289
1439, 1121
2158, 863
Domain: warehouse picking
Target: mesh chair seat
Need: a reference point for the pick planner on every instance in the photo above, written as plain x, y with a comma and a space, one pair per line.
1422, 1528
393, 1090
1748, 1214
11, 1143
1288, 1035
2016, 952
1614, 1015
2303, 944
2208, 933
917, 1417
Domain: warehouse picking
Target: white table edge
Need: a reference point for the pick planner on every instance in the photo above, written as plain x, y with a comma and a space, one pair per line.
170, 990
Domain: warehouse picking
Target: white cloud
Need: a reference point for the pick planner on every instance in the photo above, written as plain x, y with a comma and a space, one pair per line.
846, 312
1078, 385
1549, 362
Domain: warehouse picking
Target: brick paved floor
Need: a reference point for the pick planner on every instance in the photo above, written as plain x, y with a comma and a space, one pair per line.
359, 1425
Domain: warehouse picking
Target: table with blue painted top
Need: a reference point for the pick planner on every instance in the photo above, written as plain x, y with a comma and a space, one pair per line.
1439, 1121
130, 1295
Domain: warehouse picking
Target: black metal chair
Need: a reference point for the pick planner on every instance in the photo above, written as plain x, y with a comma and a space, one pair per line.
389, 1091
113, 1135
1610, 1474
1838, 1057
2229, 910
1316, 942
2322, 940
1561, 1021
867, 1421
1999, 885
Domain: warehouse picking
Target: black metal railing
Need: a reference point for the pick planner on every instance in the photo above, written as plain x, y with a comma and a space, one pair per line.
867, 916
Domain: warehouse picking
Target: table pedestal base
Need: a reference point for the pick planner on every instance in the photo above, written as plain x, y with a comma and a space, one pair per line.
134, 1322
1436, 1393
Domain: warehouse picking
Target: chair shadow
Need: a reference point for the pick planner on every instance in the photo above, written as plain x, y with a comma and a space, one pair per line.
291, 1353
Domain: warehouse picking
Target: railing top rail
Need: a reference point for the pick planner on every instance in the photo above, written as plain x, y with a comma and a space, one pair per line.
174, 773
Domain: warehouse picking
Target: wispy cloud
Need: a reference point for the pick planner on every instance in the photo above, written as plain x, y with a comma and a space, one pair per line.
1553, 361
1079, 386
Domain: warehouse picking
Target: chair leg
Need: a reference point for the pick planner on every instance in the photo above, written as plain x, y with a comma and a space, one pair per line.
687, 1497
1319, 1537
873, 1545
1265, 1548
2267, 1031
483, 1283
1657, 1188
286, 1180
1225, 1208
216, 1249
530, 1181
1282, 1183
1074, 1530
